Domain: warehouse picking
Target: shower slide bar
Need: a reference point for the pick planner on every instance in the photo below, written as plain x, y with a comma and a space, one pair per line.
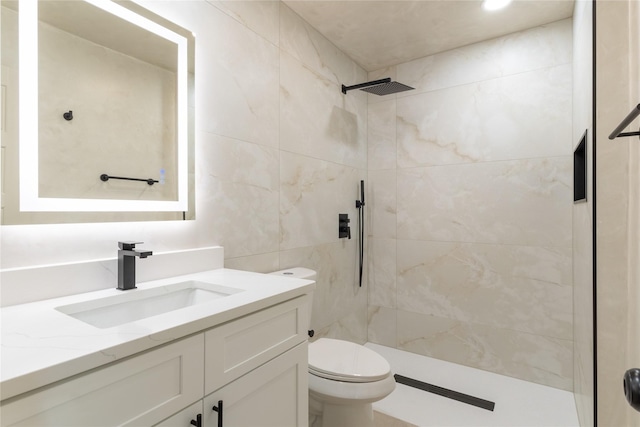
104, 177
617, 132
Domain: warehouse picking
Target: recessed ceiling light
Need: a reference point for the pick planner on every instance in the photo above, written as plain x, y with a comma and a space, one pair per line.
494, 4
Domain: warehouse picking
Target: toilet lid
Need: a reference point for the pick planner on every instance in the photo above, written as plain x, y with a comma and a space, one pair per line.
346, 361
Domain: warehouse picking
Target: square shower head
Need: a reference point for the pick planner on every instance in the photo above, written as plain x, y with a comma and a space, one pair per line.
387, 88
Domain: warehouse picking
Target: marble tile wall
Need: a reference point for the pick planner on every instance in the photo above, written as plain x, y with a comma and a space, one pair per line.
617, 58
470, 179
280, 152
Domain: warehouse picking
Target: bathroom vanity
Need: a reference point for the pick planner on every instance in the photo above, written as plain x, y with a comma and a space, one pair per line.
234, 359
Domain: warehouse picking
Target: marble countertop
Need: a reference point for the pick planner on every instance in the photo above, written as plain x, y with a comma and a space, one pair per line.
41, 345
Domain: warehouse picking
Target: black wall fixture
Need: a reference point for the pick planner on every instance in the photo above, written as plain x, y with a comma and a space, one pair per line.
360, 207
68, 116
104, 177
344, 231
580, 170
379, 87
617, 132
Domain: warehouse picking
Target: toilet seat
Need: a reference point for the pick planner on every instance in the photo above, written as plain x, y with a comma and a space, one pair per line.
346, 361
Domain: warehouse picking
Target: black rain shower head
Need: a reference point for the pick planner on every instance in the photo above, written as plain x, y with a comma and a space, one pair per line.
379, 87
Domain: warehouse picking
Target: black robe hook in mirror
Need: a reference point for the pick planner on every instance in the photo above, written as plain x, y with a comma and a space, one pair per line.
68, 115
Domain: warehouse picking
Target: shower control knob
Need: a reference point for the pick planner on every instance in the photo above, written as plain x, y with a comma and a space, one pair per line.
631, 383
344, 231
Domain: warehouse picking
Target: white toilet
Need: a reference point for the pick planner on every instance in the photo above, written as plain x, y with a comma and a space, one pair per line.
344, 378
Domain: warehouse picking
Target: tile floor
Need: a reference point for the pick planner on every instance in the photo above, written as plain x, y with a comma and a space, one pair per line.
517, 403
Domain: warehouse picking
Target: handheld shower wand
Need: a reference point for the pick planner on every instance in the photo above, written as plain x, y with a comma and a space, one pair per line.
360, 207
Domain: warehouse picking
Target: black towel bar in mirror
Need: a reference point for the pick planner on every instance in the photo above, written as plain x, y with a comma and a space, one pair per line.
150, 181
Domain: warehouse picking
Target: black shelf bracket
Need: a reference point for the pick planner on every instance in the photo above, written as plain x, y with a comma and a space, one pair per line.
617, 132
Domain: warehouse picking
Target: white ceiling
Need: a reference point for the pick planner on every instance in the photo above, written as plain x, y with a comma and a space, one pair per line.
378, 34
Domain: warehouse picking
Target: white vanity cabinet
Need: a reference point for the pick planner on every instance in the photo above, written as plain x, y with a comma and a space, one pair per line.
261, 361
187, 417
141, 390
273, 395
256, 370
255, 364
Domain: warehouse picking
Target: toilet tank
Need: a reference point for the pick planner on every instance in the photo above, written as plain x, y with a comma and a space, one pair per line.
297, 272
301, 273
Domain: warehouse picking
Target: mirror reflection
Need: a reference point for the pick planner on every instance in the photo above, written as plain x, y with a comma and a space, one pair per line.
111, 119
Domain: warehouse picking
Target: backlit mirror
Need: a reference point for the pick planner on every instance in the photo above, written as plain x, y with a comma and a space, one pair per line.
97, 101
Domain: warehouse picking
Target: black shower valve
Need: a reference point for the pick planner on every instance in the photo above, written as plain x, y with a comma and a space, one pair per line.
344, 231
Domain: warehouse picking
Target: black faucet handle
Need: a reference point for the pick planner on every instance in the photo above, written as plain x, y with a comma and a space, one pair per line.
127, 246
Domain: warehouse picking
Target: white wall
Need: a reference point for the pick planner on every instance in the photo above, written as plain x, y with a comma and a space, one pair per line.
470, 206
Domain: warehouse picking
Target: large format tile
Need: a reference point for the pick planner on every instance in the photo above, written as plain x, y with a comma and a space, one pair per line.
317, 120
381, 327
306, 44
352, 327
540, 47
515, 117
243, 218
337, 296
312, 193
530, 357
524, 288
381, 147
238, 161
238, 85
262, 16
260, 263
238, 194
382, 272
382, 204
522, 202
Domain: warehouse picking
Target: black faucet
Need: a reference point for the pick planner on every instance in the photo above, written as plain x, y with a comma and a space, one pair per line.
127, 264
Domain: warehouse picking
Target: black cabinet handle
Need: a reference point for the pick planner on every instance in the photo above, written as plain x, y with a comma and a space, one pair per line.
631, 383
218, 409
198, 421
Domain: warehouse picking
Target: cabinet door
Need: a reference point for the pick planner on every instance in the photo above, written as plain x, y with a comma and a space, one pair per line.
275, 395
139, 391
237, 347
185, 418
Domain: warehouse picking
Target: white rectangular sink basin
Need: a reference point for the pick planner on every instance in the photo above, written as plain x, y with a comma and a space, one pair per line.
140, 304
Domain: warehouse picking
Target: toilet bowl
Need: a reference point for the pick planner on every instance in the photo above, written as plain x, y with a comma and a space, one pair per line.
344, 378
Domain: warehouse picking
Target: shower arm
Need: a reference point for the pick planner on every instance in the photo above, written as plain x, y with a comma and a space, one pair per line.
345, 89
